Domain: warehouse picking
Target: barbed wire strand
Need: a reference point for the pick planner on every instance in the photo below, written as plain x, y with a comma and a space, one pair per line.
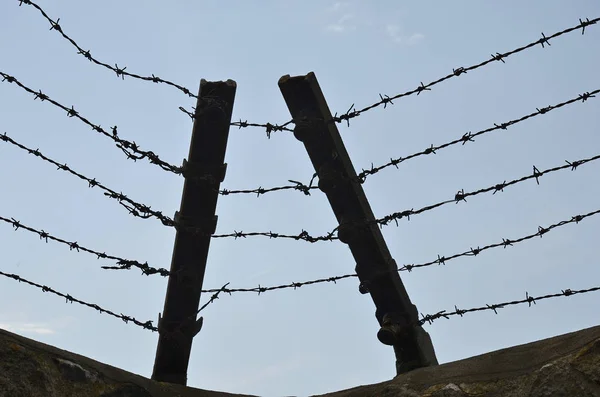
127, 264
461, 195
498, 57
305, 236
441, 260
70, 299
299, 186
122, 73
129, 148
73, 245
467, 137
384, 221
430, 318
119, 71
458, 197
351, 112
127, 319
123, 263
386, 99
134, 208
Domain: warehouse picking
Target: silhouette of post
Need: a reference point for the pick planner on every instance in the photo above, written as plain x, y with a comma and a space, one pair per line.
376, 269
203, 171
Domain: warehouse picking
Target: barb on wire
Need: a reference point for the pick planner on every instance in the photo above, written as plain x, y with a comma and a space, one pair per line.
70, 299
269, 128
260, 289
299, 186
440, 260
213, 298
136, 209
430, 318
119, 71
131, 149
302, 236
497, 57
469, 137
176, 329
73, 245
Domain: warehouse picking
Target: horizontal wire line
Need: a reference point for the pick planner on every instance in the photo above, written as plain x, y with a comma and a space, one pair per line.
441, 260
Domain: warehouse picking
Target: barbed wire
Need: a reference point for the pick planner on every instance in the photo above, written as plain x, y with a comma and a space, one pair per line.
143, 211
468, 137
497, 57
299, 186
133, 152
302, 236
440, 260
119, 71
128, 264
430, 318
351, 112
461, 195
127, 319
269, 128
136, 209
384, 221
384, 100
122, 72
70, 299
73, 245
131, 149
458, 197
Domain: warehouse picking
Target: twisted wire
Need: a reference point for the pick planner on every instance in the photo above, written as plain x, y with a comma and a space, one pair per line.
130, 149
440, 260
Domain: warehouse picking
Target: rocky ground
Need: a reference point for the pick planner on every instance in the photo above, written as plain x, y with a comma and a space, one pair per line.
567, 365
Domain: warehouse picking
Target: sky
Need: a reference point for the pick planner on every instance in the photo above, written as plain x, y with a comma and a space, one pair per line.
317, 338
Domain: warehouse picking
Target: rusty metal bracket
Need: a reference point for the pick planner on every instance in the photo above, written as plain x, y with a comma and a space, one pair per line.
370, 276
203, 173
207, 226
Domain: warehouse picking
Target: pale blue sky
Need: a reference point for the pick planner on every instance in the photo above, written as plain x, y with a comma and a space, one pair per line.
318, 338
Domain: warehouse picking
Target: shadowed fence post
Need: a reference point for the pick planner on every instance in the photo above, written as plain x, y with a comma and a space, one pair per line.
376, 269
203, 171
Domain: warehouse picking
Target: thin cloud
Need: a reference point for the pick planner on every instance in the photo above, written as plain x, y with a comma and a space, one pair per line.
415, 38
395, 33
342, 24
340, 10
27, 328
338, 5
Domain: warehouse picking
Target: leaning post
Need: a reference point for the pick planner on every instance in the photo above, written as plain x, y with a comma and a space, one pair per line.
196, 221
377, 271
